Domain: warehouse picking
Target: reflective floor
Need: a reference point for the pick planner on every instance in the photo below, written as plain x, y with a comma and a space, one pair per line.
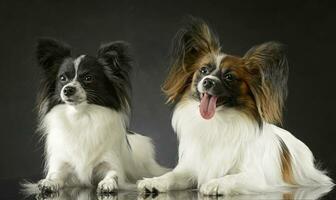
11, 190
87, 194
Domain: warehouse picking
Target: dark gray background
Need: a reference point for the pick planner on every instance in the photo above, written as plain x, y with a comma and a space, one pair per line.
307, 28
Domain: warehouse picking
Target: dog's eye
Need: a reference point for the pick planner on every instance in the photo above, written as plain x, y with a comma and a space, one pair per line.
88, 78
228, 77
204, 70
63, 78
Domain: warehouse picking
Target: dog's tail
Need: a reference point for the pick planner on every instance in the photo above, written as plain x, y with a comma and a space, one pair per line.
143, 154
28, 188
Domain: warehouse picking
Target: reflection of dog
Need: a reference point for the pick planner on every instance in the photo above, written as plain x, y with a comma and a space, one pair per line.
84, 106
89, 194
83, 194
226, 112
290, 194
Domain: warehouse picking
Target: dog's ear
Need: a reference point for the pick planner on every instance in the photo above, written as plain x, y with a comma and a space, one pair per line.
268, 67
193, 42
116, 59
50, 53
117, 62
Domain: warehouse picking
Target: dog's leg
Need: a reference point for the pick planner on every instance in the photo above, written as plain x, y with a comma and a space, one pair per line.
55, 179
174, 180
242, 183
109, 184
110, 174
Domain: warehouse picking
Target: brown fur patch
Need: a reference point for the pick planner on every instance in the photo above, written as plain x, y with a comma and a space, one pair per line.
268, 66
246, 99
287, 196
286, 164
263, 71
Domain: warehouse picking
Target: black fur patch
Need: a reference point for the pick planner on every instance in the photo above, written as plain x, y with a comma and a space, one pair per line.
109, 72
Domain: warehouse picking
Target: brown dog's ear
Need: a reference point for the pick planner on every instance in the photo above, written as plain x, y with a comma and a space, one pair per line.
191, 43
268, 67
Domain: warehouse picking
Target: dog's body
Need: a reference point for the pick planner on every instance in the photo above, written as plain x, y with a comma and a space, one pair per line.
87, 138
84, 108
231, 151
225, 115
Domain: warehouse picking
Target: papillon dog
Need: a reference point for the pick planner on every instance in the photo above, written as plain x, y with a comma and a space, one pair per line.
84, 107
227, 114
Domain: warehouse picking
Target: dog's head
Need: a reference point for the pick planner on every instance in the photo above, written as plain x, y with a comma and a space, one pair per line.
256, 83
102, 80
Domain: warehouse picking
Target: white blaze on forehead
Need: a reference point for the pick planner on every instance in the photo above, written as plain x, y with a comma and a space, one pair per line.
76, 64
80, 94
219, 59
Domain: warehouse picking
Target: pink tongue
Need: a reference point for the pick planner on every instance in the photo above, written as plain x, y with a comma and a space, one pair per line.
208, 106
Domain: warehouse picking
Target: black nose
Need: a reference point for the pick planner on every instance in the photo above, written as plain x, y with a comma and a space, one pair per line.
208, 83
69, 90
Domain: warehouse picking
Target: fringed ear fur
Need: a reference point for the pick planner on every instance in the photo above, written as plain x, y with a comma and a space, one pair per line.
191, 43
117, 62
116, 59
269, 70
50, 53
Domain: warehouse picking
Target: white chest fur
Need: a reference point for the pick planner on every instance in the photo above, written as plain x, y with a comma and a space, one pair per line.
83, 136
208, 145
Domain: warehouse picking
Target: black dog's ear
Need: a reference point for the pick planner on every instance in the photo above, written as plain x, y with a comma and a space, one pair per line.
115, 54
115, 57
50, 52
117, 63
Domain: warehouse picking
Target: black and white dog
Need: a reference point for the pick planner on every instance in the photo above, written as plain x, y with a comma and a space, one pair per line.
84, 107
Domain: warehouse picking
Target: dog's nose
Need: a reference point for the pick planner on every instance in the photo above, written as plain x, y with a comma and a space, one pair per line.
208, 83
69, 90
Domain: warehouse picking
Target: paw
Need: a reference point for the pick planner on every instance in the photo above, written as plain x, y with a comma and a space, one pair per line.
152, 185
107, 186
48, 186
153, 196
47, 196
215, 188
107, 196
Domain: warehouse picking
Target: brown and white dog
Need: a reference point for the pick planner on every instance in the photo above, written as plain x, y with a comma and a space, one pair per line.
226, 116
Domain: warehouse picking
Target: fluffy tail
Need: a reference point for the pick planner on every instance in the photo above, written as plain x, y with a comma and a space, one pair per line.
144, 157
29, 188
305, 172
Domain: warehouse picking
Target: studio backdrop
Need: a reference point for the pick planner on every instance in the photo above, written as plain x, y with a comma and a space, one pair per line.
306, 28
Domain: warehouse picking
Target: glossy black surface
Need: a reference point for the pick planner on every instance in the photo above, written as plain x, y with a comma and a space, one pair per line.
10, 189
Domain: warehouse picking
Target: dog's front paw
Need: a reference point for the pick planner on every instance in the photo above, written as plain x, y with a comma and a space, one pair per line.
215, 188
152, 185
107, 186
47, 196
107, 196
48, 186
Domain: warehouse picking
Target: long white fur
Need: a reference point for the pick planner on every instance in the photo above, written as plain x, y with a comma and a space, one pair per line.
87, 140
230, 154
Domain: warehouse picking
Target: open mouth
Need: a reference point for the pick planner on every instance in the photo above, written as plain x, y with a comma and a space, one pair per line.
208, 105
